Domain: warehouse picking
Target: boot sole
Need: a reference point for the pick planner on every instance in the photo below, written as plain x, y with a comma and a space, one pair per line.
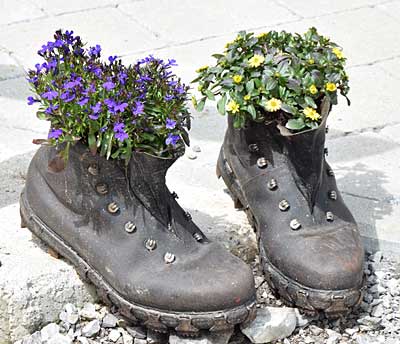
333, 303
184, 323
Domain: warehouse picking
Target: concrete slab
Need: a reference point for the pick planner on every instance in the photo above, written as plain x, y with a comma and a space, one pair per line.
24, 10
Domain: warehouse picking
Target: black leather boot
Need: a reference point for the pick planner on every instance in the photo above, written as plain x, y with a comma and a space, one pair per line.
124, 231
309, 243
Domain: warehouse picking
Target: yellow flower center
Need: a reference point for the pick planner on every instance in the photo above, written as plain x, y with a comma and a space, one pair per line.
256, 60
261, 35
339, 54
311, 61
313, 89
232, 106
273, 105
201, 69
247, 97
330, 86
237, 78
311, 114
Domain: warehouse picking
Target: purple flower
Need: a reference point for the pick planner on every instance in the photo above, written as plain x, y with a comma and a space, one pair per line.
55, 133
94, 116
83, 101
119, 126
50, 110
171, 62
122, 76
103, 129
110, 104
108, 85
112, 58
96, 108
49, 95
58, 43
172, 83
32, 80
139, 108
38, 67
180, 89
73, 83
121, 136
67, 97
169, 97
120, 107
32, 100
170, 124
95, 51
172, 139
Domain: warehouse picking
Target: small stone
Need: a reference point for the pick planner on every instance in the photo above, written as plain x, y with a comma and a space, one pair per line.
137, 332
114, 335
49, 331
351, 331
127, 338
59, 339
82, 340
333, 336
109, 321
271, 323
196, 149
378, 311
70, 314
35, 338
208, 338
89, 311
376, 257
302, 320
258, 280
315, 330
364, 339
91, 328
140, 341
191, 155
393, 286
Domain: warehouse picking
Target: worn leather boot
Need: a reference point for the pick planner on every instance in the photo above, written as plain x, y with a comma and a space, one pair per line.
309, 242
124, 231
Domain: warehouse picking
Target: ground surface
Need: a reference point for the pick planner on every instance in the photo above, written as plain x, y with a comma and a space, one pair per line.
364, 144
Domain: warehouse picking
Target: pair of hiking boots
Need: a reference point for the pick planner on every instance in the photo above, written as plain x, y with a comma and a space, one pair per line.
124, 231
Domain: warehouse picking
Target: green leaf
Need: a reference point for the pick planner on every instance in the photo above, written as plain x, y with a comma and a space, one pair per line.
41, 115
209, 94
250, 86
271, 84
109, 145
221, 105
200, 105
252, 111
295, 124
288, 108
92, 143
310, 102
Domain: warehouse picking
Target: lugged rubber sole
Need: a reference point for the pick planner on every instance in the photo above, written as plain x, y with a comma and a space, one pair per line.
186, 324
333, 303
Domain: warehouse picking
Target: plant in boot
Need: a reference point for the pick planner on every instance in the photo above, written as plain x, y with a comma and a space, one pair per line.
278, 89
109, 211
112, 108
275, 76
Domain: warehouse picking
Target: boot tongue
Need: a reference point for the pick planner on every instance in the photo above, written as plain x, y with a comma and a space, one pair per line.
146, 175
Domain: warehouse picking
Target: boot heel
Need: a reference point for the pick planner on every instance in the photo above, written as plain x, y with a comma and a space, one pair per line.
237, 203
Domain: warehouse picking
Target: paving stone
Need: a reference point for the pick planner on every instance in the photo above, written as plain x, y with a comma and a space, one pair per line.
8, 67
12, 12
57, 7
204, 18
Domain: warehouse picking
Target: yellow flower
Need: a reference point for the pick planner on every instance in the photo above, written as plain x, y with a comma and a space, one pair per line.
201, 69
232, 106
247, 97
311, 114
261, 35
277, 74
273, 105
227, 45
330, 86
339, 54
256, 60
237, 78
313, 89
311, 61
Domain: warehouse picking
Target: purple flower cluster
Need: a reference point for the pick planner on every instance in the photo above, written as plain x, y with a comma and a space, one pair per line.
81, 95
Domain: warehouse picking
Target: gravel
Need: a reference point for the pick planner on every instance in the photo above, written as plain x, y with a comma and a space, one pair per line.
376, 321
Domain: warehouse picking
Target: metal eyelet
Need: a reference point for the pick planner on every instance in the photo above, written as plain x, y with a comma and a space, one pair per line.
93, 169
326, 151
262, 162
174, 195
329, 216
284, 205
295, 224
272, 184
330, 172
253, 148
102, 188
326, 130
169, 258
150, 244
113, 207
332, 195
188, 216
198, 236
130, 227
